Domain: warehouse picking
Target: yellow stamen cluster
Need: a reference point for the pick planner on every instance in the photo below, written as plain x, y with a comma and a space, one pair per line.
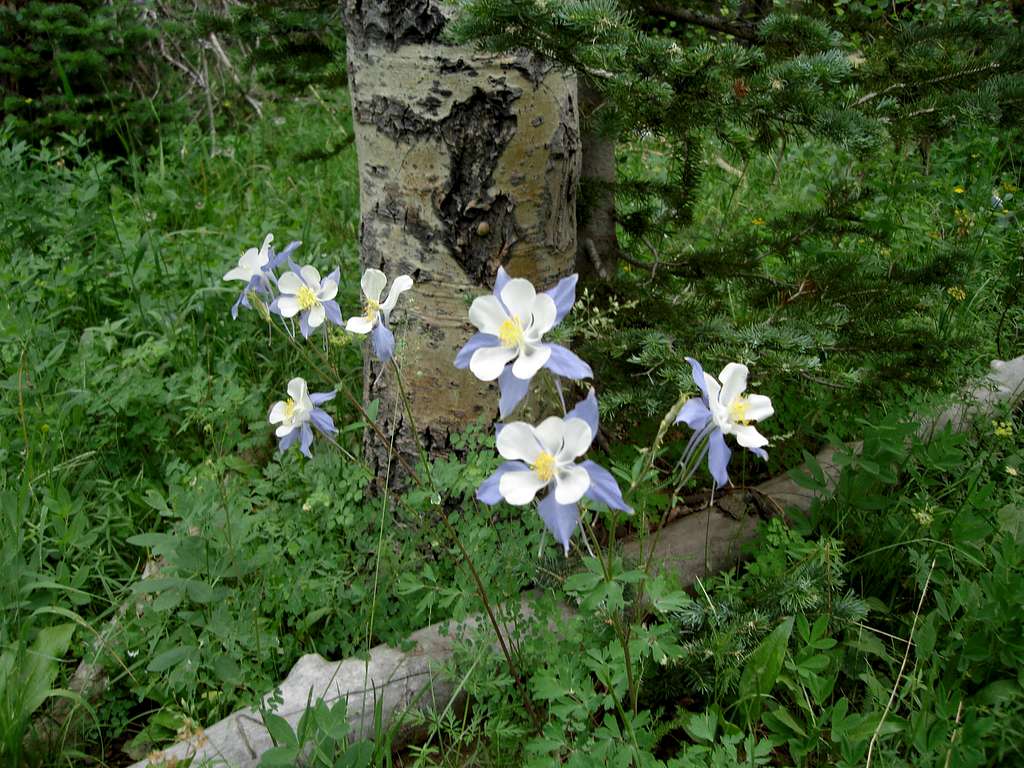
289, 409
307, 299
372, 309
738, 411
544, 466
511, 332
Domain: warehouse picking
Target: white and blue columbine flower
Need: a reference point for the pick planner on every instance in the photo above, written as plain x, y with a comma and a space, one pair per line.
509, 346
545, 455
297, 415
256, 269
303, 291
722, 410
376, 313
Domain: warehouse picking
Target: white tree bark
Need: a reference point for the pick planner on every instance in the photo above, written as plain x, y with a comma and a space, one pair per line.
467, 162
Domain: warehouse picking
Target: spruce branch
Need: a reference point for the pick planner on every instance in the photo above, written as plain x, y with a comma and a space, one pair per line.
740, 29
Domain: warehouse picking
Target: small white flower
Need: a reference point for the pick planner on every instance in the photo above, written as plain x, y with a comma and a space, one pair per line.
305, 292
731, 411
251, 263
293, 413
548, 451
374, 310
519, 321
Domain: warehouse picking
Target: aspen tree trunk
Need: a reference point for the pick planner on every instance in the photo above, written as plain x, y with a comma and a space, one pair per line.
467, 162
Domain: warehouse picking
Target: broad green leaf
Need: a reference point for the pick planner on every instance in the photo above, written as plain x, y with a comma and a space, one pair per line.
171, 658
701, 726
42, 662
279, 729
763, 666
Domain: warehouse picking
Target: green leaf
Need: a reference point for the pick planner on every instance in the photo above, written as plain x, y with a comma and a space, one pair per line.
280, 757
359, 755
763, 667
42, 663
701, 726
279, 729
582, 582
782, 715
227, 670
171, 658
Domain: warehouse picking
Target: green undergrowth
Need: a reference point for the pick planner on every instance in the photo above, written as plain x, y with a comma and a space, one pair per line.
133, 440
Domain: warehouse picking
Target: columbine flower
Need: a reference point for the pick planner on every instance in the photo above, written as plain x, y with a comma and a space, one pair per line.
546, 455
509, 346
256, 269
377, 314
303, 291
723, 410
298, 413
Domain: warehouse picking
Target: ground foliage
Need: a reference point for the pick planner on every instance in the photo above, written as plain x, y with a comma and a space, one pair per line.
134, 431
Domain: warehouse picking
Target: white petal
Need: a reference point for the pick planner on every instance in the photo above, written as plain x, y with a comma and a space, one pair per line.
749, 437
518, 442
544, 314
531, 359
734, 381
758, 407
317, 313
571, 483
284, 429
577, 440
718, 411
358, 324
290, 283
297, 388
372, 283
311, 277
487, 363
251, 260
277, 412
328, 290
519, 488
519, 295
238, 273
486, 313
288, 305
551, 434
402, 284
265, 248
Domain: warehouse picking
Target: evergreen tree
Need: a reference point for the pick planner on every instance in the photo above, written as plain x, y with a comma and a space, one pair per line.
75, 67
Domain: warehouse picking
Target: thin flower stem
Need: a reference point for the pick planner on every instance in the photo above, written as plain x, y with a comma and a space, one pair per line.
691, 466
481, 591
380, 545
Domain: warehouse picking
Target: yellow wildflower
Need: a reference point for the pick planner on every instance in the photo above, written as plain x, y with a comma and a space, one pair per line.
757, 221
956, 293
1003, 428
959, 190
1012, 471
